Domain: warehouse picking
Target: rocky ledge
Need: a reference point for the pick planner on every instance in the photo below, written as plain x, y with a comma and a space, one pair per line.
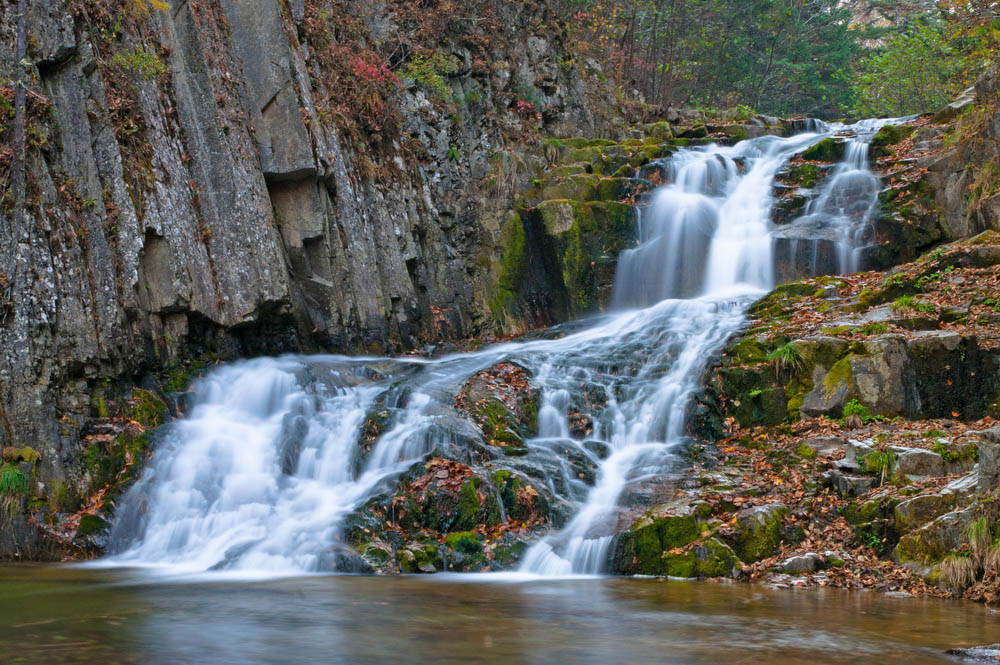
857, 437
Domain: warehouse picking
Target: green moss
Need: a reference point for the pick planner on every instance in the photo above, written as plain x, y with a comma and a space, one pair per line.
679, 565
467, 515
677, 531
504, 555
887, 136
758, 537
827, 150
91, 524
805, 452
513, 265
149, 410
715, 559
749, 350
61, 498
839, 375
466, 542
803, 175
968, 452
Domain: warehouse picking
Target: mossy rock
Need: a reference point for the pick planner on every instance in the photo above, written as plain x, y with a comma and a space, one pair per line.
801, 174
714, 558
644, 549
513, 266
15, 455
659, 131
466, 542
580, 187
148, 410
758, 531
91, 525
887, 136
826, 150
587, 239
568, 170
683, 565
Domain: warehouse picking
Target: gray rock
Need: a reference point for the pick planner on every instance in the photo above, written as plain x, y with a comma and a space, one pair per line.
917, 462
989, 653
989, 460
803, 563
920, 510
825, 445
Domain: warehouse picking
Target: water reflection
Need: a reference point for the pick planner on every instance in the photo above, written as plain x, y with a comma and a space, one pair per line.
66, 615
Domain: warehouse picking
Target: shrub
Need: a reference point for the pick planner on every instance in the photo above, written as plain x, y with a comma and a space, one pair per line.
856, 414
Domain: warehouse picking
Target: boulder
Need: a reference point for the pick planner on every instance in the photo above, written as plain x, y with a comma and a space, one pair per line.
920, 510
758, 531
917, 462
931, 542
803, 563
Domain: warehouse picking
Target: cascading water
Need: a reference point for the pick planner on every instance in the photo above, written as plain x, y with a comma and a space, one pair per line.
261, 475
838, 221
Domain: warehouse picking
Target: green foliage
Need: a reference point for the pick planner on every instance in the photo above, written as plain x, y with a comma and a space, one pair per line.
13, 486
917, 71
877, 463
466, 542
775, 56
142, 61
952, 455
903, 303
979, 533
430, 73
873, 329
12, 481
855, 409
805, 452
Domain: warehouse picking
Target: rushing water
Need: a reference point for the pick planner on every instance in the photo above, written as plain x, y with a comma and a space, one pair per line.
68, 616
258, 478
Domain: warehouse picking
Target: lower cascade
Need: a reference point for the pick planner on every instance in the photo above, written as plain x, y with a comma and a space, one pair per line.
261, 475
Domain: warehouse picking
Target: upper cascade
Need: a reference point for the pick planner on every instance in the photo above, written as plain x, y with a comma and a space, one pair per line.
260, 478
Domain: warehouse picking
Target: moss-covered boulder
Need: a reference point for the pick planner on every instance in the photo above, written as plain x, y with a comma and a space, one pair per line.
650, 546
503, 402
931, 542
888, 136
827, 150
758, 531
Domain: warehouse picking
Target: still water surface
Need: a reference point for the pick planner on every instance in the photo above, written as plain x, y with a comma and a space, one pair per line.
73, 615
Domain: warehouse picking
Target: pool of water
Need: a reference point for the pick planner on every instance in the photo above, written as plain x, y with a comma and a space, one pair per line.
53, 614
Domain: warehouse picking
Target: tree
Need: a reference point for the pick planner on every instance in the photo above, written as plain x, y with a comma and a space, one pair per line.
917, 71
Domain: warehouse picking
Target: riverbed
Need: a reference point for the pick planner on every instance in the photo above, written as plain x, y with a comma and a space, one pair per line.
69, 614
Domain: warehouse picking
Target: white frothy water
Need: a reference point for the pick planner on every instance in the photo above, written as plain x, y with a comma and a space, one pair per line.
261, 475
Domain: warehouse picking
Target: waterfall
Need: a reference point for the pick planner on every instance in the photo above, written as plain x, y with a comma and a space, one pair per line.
841, 214
260, 476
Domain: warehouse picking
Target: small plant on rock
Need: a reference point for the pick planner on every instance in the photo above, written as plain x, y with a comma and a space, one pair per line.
980, 536
993, 560
785, 358
903, 303
958, 571
13, 486
856, 414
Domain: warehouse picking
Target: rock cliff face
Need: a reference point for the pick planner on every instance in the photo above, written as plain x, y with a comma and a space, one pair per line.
196, 186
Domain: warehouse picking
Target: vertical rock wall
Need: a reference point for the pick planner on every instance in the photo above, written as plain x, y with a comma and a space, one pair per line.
190, 193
